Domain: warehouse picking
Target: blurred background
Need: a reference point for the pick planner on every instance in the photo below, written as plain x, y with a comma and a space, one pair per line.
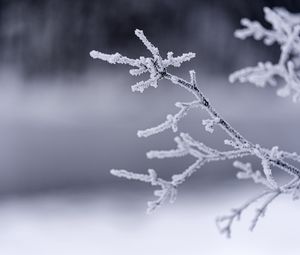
66, 120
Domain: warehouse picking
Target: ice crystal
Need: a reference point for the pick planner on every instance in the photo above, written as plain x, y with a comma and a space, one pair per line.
240, 147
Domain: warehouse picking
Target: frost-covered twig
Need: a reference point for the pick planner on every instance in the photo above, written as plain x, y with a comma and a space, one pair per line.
285, 32
167, 191
156, 66
224, 223
171, 121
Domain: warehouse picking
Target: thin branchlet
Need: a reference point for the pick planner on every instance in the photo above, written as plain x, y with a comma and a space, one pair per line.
157, 67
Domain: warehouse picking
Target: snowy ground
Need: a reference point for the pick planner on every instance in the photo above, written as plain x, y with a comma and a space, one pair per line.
93, 224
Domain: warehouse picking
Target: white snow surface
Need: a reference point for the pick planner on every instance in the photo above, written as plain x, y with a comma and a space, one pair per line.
94, 224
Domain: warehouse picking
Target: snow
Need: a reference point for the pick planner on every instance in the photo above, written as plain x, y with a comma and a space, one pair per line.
95, 224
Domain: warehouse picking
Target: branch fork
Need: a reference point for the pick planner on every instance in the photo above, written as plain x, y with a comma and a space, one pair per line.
157, 68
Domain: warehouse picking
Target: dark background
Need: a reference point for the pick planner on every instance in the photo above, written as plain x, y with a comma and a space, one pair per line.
47, 37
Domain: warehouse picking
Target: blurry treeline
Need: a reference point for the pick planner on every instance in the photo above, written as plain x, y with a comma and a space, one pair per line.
54, 36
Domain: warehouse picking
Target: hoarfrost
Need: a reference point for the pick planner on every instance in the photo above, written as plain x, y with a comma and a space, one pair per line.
240, 147
285, 32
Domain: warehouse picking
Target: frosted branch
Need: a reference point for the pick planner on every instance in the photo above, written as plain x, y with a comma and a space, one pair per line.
167, 191
285, 32
171, 120
156, 66
224, 223
247, 173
